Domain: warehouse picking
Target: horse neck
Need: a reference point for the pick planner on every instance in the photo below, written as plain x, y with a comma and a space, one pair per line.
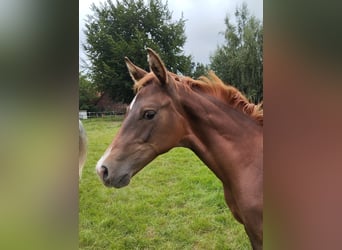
218, 134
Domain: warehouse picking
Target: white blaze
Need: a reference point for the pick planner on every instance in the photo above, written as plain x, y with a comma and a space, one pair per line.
103, 158
132, 103
106, 154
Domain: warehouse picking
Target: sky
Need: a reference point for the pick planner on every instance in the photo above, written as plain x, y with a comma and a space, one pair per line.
204, 22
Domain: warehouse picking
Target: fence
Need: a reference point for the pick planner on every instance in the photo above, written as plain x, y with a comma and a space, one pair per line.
113, 115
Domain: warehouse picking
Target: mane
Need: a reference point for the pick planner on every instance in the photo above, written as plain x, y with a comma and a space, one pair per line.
143, 82
213, 86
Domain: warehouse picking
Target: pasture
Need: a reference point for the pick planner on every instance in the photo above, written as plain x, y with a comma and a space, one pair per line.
175, 202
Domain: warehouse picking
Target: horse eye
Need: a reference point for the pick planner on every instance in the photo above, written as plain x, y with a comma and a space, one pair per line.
149, 114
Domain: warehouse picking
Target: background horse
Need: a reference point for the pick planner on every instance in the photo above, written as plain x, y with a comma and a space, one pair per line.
212, 119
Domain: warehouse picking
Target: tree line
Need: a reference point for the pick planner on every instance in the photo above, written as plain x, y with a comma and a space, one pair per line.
127, 27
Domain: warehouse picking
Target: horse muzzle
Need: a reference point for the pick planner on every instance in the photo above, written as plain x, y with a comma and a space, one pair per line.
117, 181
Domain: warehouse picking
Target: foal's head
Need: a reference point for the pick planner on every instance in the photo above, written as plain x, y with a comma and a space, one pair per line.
152, 126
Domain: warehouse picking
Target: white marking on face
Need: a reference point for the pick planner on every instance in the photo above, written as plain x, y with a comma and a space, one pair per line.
132, 103
103, 158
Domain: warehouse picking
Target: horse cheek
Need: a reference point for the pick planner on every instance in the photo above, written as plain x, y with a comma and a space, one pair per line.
147, 133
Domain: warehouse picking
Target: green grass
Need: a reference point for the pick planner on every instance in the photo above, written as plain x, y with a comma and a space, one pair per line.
175, 202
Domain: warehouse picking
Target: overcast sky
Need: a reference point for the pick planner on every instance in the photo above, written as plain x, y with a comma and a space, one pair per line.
204, 22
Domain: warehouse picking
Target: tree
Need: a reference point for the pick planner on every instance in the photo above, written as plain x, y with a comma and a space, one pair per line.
127, 28
240, 60
200, 70
87, 94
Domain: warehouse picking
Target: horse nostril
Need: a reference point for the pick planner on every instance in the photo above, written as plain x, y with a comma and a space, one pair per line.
105, 172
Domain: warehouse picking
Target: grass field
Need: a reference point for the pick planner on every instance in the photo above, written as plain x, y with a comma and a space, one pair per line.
175, 202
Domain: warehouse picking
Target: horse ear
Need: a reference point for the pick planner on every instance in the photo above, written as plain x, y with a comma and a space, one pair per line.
157, 66
135, 72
